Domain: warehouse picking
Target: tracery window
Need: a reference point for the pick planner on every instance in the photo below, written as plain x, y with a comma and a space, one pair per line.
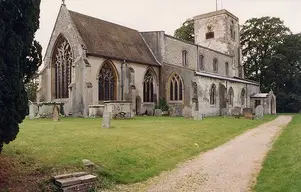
107, 83
231, 96
243, 96
215, 65
175, 88
148, 87
201, 62
213, 95
63, 60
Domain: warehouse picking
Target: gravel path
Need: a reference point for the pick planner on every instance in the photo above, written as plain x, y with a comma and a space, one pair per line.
231, 167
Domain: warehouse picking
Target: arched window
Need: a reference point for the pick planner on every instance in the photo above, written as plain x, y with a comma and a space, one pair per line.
184, 58
231, 96
148, 87
107, 83
215, 65
213, 95
175, 88
243, 96
227, 68
62, 59
201, 63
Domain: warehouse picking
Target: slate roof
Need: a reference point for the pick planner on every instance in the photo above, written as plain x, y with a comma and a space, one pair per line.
105, 39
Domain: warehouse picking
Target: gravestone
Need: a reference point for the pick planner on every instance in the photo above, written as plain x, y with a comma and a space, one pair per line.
236, 112
33, 110
56, 113
198, 116
106, 121
247, 111
158, 112
259, 112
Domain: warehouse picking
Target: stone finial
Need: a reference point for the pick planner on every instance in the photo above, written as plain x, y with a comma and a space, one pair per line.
63, 2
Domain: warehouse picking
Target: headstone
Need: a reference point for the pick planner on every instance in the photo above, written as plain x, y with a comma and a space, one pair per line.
56, 113
158, 112
88, 163
247, 111
32, 111
106, 120
187, 112
259, 112
198, 116
236, 112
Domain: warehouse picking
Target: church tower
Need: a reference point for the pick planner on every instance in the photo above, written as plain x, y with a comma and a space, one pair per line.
219, 30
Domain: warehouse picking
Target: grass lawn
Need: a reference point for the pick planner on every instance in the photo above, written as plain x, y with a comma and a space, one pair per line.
282, 167
132, 151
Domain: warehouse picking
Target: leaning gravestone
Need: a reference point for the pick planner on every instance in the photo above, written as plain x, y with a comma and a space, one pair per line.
259, 112
106, 121
158, 112
56, 113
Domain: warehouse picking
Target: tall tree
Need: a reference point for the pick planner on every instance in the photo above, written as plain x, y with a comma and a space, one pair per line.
259, 36
283, 75
19, 60
186, 31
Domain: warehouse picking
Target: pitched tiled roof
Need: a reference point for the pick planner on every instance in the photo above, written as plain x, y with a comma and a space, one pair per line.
110, 40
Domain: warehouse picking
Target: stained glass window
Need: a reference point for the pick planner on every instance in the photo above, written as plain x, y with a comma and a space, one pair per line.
176, 88
107, 83
63, 59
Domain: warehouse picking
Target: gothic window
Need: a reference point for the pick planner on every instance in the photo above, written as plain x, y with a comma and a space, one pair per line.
231, 96
201, 63
184, 58
227, 68
213, 95
148, 87
243, 96
175, 88
62, 59
215, 65
210, 32
107, 83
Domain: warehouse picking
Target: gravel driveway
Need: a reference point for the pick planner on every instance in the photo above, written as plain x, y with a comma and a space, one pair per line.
231, 167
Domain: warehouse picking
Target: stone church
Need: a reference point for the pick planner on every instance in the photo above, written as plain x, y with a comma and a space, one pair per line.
89, 61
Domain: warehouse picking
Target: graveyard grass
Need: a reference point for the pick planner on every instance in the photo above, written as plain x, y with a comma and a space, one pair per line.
131, 151
281, 169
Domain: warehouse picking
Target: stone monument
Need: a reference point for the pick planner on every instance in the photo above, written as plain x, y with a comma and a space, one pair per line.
158, 112
259, 112
106, 120
56, 113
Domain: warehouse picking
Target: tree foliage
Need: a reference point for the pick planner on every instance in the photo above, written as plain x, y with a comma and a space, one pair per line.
20, 57
259, 36
186, 31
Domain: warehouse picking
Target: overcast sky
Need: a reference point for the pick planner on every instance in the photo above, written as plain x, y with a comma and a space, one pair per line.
166, 15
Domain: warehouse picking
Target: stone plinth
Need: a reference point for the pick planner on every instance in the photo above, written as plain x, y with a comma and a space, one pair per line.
96, 110
119, 108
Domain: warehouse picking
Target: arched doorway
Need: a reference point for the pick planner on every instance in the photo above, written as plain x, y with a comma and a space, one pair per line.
138, 105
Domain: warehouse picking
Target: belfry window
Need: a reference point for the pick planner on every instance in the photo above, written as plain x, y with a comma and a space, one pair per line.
62, 59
